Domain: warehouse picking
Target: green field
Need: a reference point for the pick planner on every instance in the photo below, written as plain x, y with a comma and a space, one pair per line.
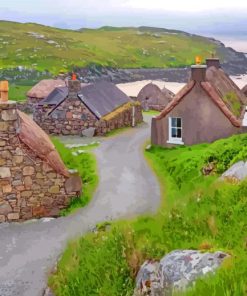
197, 212
46, 48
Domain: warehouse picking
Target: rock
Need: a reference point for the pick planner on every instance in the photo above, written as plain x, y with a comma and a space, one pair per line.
54, 189
9, 115
2, 143
73, 184
89, 132
4, 126
5, 209
5, 172
2, 218
13, 216
2, 161
28, 171
148, 147
237, 171
175, 272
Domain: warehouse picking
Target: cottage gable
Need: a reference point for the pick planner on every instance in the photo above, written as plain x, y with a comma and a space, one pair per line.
198, 113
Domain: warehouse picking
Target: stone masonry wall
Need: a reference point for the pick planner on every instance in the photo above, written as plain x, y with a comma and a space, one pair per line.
70, 118
29, 187
122, 119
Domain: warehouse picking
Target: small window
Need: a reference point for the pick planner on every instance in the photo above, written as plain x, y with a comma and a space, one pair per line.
175, 130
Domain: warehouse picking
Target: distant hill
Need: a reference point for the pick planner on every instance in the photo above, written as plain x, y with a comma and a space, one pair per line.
47, 48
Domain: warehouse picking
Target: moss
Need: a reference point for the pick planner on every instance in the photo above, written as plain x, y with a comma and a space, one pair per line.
120, 110
233, 103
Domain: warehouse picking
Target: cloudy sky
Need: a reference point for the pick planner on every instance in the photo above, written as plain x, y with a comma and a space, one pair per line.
195, 16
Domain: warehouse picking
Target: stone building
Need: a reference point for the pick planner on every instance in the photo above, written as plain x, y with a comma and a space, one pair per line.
208, 108
42, 89
152, 97
75, 109
34, 182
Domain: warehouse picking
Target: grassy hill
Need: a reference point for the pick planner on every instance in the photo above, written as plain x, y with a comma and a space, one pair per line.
46, 48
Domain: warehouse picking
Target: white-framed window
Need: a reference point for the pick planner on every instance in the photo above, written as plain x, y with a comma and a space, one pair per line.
175, 130
244, 122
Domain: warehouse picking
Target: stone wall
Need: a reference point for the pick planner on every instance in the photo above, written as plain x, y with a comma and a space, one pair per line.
29, 187
121, 119
72, 117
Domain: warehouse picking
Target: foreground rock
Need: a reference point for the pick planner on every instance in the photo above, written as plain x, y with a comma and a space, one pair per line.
175, 272
237, 172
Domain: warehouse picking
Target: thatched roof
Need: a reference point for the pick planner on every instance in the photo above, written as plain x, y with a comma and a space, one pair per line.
212, 93
224, 84
244, 90
152, 91
39, 142
43, 88
167, 92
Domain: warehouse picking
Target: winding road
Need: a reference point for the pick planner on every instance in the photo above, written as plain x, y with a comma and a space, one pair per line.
127, 187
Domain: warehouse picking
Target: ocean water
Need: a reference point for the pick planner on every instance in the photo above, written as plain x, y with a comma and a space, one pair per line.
239, 43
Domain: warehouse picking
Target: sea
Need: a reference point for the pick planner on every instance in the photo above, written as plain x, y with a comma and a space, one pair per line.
239, 43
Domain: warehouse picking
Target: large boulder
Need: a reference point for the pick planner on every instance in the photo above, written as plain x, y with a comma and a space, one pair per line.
237, 172
175, 272
89, 132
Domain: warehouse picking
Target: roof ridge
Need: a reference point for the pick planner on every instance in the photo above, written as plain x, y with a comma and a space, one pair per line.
210, 90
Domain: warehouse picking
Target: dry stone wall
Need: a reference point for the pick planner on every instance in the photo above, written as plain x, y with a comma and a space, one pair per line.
72, 117
29, 187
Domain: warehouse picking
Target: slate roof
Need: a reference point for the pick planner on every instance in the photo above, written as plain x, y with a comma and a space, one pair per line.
39, 142
55, 97
102, 98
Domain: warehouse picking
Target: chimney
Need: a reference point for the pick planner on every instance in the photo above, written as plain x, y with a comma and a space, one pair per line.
9, 123
213, 62
4, 91
198, 73
74, 86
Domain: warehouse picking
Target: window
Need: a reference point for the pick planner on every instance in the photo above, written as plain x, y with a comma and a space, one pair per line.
175, 130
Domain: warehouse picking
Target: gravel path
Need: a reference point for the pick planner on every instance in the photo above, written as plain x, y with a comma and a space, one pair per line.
127, 187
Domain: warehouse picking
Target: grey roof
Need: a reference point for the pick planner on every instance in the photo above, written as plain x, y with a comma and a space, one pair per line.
102, 98
55, 97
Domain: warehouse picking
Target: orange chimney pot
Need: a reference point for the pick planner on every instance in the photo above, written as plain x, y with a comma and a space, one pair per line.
4, 91
198, 60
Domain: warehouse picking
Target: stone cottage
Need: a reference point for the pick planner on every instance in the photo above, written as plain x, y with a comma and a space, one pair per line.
34, 181
152, 97
75, 109
202, 111
42, 89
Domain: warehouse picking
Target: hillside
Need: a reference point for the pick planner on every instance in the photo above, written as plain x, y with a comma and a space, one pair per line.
45, 48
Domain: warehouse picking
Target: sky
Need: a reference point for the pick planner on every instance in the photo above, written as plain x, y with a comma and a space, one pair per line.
211, 16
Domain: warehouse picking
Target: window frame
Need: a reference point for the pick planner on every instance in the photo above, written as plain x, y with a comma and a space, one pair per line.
174, 140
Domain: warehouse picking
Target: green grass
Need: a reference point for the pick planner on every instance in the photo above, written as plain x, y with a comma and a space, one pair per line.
60, 50
197, 212
86, 166
151, 112
18, 92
